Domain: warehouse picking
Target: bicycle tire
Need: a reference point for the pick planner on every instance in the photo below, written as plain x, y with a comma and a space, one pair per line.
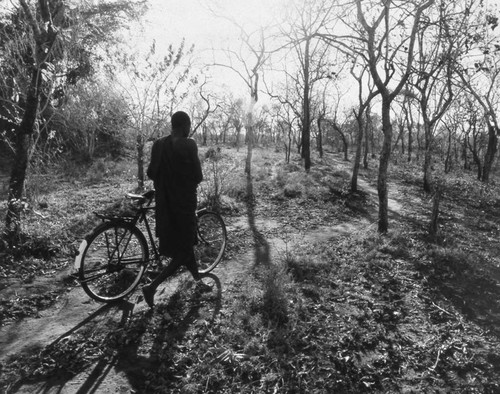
212, 240
113, 261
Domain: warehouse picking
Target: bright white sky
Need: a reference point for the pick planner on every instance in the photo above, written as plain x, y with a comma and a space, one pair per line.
168, 21
193, 19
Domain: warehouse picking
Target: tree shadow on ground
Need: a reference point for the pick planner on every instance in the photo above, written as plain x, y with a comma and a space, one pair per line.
462, 277
261, 245
473, 292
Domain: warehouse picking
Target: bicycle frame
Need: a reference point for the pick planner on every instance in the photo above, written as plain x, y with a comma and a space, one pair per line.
140, 217
113, 258
143, 218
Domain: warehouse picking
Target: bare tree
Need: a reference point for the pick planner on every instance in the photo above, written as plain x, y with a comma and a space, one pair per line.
199, 114
435, 65
383, 38
313, 56
286, 118
152, 85
360, 114
248, 63
479, 72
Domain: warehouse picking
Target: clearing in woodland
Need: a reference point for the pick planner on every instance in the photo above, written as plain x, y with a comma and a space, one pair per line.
309, 298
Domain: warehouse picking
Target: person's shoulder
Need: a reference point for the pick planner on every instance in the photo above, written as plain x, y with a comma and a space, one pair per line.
188, 143
191, 142
161, 140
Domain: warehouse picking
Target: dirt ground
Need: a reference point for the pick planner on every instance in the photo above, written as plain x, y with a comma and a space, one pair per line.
74, 312
74, 309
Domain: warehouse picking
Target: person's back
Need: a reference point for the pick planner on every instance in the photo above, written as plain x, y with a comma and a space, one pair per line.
176, 172
185, 166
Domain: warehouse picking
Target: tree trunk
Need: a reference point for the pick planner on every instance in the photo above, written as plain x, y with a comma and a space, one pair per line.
448, 160
400, 137
465, 156
357, 156
491, 150
419, 145
140, 161
385, 154
320, 138
433, 226
475, 156
21, 154
204, 135
345, 142
368, 131
250, 134
410, 143
306, 126
427, 156
237, 139
248, 161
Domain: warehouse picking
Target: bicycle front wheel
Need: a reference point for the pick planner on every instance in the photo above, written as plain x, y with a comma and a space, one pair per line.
113, 261
212, 239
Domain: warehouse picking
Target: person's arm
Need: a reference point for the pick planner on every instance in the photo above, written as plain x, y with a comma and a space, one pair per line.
197, 171
154, 165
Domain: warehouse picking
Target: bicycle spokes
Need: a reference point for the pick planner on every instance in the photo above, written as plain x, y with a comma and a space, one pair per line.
114, 262
211, 241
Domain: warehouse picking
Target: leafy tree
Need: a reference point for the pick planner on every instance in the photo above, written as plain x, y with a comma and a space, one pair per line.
92, 120
45, 45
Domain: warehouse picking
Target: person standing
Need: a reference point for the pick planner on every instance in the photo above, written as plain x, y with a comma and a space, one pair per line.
176, 172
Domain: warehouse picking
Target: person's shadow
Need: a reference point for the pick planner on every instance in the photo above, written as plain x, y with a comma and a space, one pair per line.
124, 355
169, 332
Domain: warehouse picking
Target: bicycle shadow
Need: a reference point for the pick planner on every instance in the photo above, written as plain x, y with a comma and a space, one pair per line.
57, 384
130, 360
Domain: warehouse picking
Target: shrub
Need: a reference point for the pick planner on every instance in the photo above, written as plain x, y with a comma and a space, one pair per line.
222, 176
274, 297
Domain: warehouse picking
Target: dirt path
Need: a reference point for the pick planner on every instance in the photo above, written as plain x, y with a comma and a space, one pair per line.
74, 310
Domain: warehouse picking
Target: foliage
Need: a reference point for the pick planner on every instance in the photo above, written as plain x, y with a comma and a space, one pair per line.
223, 176
72, 58
93, 121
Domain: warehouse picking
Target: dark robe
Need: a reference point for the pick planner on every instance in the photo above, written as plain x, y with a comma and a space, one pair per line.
176, 172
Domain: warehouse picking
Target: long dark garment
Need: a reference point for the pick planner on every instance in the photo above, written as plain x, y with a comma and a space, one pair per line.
176, 172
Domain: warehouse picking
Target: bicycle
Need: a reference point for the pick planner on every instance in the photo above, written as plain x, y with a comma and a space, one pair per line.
113, 258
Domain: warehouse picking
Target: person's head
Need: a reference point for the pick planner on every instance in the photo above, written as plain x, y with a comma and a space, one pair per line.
181, 124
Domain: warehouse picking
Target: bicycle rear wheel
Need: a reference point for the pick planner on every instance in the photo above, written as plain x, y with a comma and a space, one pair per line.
113, 261
212, 239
